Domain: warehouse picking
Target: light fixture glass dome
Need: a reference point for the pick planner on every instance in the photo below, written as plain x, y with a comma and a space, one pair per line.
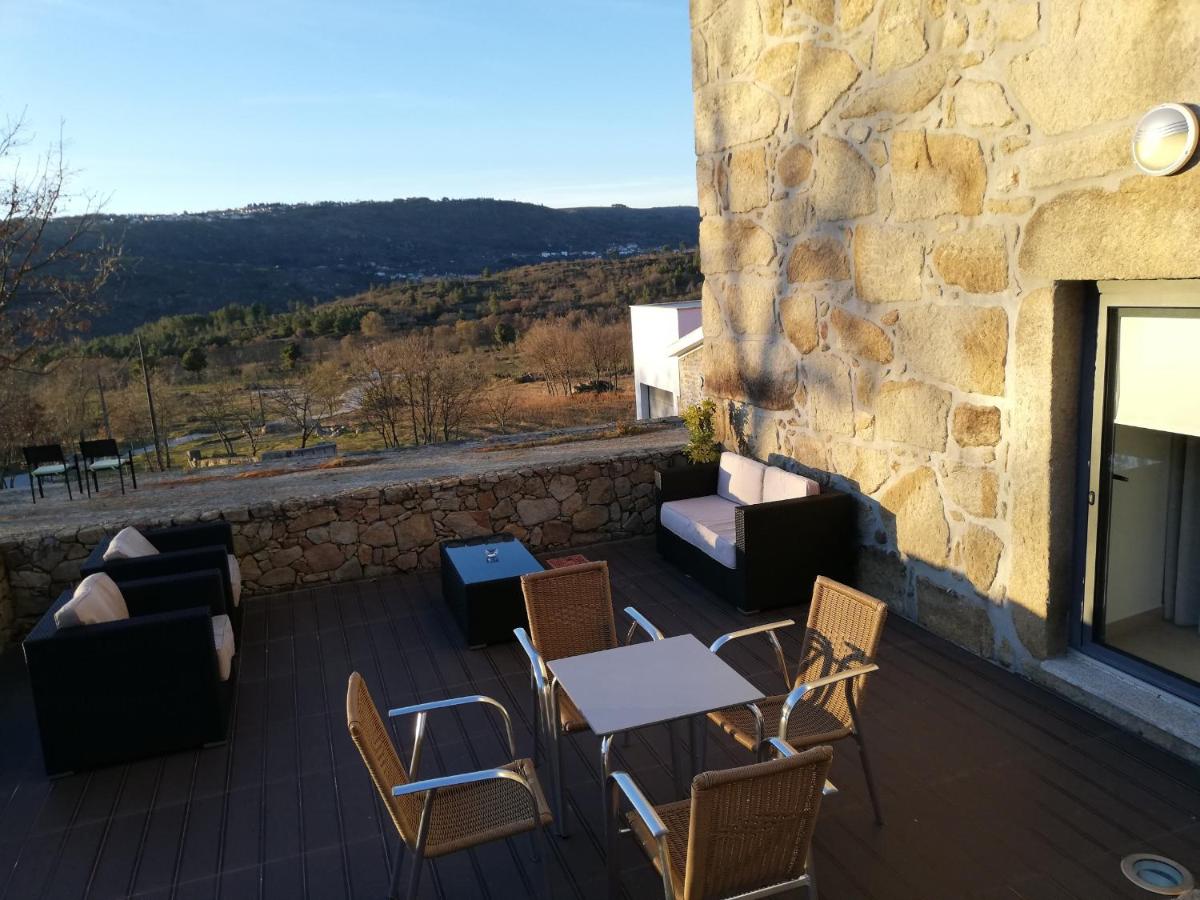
1165, 139
1157, 874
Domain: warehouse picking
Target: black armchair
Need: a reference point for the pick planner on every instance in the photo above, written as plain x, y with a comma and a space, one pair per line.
182, 548
781, 546
104, 455
135, 687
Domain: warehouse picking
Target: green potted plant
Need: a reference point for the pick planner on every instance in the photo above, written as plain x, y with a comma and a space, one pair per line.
702, 446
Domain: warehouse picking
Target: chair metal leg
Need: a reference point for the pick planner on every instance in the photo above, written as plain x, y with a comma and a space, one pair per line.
394, 878
414, 877
560, 816
866, 765
537, 718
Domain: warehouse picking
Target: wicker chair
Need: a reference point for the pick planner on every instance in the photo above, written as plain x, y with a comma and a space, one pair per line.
436, 816
838, 652
744, 832
570, 612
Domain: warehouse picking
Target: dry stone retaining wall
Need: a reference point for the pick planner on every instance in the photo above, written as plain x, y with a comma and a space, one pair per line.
369, 533
901, 200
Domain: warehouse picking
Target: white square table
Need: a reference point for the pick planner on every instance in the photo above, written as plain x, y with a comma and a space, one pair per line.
651, 683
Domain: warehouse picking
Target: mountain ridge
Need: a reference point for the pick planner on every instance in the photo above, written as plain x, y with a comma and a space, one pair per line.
283, 254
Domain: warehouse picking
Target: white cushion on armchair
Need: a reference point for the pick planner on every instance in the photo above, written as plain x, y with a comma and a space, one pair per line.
235, 579
740, 479
781, 485
97, 599
707, 523
129, 543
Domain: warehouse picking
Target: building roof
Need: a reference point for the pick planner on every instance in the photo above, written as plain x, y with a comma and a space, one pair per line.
673, 304
686, 344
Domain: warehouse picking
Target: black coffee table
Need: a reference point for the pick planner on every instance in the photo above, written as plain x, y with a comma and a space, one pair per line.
485, 595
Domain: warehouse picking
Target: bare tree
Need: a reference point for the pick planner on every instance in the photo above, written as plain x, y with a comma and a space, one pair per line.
297, 403
220, 407
379, 391
455, 383
23, 422
500, 404
51, 269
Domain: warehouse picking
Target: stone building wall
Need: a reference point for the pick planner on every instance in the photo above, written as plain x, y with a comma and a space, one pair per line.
691, 378
905, 205
369, 533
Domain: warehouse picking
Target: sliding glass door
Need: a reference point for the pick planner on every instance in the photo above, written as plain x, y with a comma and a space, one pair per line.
1142, 588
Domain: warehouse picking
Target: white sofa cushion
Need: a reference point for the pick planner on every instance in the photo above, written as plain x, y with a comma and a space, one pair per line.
706, 523
223, 641
781, 485
740, 479
235, 579
96, 599
129, 543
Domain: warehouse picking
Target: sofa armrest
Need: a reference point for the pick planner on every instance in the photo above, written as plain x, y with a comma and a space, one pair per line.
167, 593
173, 564
188, 537
685, 481
815, 535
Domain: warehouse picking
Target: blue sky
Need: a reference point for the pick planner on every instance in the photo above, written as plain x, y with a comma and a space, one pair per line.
207, 104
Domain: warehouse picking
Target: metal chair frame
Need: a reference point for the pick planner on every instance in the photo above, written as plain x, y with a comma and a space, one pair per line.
104, 448
430, 787
622, 785
797, 693
47, 454
546, 723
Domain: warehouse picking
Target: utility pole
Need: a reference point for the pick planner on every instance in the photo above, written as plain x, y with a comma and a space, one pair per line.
150, 403
103, 406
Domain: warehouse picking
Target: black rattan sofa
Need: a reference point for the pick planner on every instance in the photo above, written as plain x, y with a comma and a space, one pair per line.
757, 555
149, 684
182, 548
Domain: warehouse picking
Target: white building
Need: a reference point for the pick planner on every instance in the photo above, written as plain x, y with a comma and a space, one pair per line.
665, 337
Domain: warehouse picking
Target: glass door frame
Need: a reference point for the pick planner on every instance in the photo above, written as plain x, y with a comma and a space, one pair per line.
1147, 295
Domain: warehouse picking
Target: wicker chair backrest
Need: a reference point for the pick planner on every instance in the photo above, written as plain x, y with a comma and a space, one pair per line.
374, 744
844, 630
752, 827
570, 610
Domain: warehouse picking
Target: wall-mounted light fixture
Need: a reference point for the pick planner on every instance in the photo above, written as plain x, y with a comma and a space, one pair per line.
1165, 139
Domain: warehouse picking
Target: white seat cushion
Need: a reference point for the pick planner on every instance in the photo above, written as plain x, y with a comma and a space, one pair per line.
235, 579
706, 523
105, 462
129, 543
223, 641
50, 469
781, 485
97, 599
740, 479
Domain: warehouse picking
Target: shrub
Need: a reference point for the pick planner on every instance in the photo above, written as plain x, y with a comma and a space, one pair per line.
702, 447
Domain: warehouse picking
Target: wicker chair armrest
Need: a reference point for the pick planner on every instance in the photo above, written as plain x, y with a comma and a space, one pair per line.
446, 781
421, 710
783, 749
799, 691
622, 784
685, 482
640, 621
769, 630
537, 665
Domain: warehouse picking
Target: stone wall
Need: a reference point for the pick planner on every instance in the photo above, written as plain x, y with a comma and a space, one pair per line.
691, 378
369, 533
902, 204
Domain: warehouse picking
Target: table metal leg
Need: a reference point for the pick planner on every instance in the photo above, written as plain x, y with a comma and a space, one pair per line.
676, 760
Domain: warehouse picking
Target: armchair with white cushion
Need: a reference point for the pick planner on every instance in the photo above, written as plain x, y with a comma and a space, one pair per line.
131, 555
755, 534
121, 672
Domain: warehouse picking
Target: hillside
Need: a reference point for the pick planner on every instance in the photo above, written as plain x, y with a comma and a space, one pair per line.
277, 255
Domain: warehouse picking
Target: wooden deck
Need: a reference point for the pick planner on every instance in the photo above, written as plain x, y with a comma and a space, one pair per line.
992, 788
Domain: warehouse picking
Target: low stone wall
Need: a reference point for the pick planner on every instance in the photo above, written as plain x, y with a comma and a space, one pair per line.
369, 533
